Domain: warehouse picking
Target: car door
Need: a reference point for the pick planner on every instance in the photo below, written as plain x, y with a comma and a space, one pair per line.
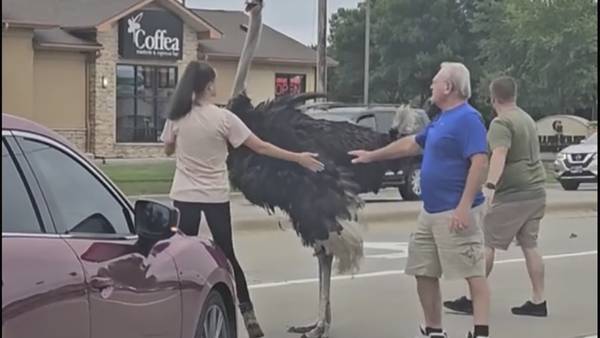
133, 287
43, 284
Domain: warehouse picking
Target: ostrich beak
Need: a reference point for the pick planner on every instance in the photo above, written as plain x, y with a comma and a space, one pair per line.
252, 3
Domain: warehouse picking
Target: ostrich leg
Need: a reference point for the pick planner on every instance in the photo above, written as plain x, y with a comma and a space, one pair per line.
320, 329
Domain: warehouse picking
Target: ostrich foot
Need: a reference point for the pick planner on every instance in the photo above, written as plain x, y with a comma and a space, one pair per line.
318, 330
302, 329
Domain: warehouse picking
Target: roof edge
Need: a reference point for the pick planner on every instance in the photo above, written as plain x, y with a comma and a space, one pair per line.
66, 46
7, 23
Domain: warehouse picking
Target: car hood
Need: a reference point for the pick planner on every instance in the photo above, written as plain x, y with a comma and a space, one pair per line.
581, 149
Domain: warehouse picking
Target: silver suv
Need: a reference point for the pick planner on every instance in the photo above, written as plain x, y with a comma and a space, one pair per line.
578, 164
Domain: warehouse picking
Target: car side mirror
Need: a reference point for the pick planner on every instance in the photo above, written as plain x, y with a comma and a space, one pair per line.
155, 221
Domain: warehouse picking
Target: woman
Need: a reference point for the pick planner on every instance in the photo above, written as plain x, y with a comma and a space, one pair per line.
199, 132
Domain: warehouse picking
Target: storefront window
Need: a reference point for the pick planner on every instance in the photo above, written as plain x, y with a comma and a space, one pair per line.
142, 97
290, 84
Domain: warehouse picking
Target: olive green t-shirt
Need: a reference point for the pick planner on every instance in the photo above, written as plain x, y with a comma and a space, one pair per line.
524, 176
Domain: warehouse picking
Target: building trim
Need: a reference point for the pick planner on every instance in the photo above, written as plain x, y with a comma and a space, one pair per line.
264, 60
66, 46
8, 23
193, 20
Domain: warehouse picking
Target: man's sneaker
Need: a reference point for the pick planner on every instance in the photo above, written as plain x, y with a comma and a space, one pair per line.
530, 309
470, 335
423, 334
462, 304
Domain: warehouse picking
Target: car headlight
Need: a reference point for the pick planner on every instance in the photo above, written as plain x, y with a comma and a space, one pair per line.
561, 156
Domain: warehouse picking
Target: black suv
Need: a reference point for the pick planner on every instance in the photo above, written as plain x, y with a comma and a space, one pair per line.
381, 118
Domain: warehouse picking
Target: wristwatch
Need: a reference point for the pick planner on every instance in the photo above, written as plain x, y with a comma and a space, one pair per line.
490, 186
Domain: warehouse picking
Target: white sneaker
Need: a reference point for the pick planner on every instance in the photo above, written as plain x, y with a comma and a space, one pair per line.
423, 334
470, 335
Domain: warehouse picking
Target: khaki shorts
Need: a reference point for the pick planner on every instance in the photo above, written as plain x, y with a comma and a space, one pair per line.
433, 250
505, 221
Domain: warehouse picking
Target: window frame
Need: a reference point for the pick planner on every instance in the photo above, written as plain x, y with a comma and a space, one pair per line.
366, 116
46, 228
94, 172
155, 97
288, 77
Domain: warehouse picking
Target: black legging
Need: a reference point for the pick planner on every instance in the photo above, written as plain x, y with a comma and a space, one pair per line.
218, 217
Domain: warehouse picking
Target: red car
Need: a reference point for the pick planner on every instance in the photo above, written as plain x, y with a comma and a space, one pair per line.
79, 261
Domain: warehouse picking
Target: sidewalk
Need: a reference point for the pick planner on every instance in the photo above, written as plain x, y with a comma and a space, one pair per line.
388, 207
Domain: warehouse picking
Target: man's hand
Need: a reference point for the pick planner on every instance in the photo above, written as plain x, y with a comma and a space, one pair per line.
460, 218
489, 196
360, 156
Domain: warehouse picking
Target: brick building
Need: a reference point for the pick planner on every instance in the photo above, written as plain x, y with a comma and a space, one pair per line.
101, 72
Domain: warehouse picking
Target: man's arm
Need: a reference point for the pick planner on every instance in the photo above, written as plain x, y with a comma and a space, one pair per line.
479, 165
460, 218
497, 162
404, 147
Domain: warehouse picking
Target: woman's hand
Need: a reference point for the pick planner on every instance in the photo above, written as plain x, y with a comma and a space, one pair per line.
310, 162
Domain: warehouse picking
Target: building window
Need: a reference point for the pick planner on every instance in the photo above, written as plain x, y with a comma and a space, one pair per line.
290, 84
142, 97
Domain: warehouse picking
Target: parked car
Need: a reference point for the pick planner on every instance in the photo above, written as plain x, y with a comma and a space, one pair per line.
578, 164
79, 261
381, 119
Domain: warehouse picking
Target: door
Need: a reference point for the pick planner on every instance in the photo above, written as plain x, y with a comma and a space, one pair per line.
43, 285
133, 287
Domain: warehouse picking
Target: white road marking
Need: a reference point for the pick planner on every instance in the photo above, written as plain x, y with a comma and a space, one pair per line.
400, 272
399, 249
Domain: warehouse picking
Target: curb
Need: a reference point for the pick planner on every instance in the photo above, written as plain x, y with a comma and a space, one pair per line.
276, 222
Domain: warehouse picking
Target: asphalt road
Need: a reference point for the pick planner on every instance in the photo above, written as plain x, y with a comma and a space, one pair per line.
381, 302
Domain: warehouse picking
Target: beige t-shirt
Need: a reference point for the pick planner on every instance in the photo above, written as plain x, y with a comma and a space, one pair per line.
201, 139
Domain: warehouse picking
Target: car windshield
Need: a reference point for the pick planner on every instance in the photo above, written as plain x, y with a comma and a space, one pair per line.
592, 139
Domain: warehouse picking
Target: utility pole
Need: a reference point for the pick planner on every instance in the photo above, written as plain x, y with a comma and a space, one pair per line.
322, 47
367, 50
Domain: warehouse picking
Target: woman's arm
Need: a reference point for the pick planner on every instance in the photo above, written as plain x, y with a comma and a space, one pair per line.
307, 160
169, 148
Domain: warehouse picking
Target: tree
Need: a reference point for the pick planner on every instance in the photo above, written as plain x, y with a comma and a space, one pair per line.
346, 45
551, 47
410, 38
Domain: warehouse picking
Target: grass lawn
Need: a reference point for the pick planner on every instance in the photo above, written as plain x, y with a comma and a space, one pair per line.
141, 178
153, 178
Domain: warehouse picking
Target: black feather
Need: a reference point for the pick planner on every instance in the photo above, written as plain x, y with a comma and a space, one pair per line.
314, 201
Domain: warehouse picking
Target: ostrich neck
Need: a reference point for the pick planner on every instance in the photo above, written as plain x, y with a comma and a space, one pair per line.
252, 38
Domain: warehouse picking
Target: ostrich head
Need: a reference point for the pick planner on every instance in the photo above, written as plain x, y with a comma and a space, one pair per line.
253, 6
408, 121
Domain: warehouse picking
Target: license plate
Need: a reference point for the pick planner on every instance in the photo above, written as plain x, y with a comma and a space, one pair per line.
577, 170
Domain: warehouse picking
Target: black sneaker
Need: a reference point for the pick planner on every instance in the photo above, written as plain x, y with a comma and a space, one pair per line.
530, 309
462, 304
470, 335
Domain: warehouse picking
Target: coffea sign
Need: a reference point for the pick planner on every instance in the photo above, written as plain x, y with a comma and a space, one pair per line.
151, 34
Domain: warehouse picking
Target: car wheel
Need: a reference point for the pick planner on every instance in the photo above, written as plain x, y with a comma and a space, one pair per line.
214, 321
569, 185
411, 190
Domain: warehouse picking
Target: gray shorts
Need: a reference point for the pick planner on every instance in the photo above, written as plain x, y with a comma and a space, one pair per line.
505, 221
434, 250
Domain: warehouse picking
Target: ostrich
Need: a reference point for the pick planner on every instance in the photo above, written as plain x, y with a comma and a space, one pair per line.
321, 206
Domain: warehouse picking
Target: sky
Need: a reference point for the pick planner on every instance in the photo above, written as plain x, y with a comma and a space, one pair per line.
295, 18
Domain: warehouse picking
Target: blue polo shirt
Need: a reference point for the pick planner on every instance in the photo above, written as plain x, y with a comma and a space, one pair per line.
448, 144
